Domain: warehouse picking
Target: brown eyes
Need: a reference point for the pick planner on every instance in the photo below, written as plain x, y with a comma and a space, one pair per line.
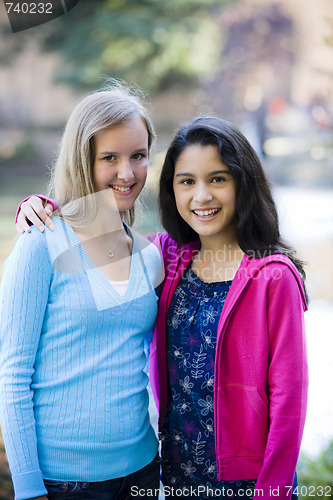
216, 180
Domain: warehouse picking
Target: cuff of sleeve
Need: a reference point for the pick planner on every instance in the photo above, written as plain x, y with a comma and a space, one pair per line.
29, 485
42, 197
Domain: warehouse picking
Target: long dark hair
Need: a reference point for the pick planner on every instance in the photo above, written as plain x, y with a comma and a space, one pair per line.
257, 224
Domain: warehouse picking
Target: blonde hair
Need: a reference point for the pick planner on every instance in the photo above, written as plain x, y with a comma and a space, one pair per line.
72, 176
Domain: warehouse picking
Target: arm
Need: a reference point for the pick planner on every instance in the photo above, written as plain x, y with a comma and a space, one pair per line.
23, 300
35, 208
287, 385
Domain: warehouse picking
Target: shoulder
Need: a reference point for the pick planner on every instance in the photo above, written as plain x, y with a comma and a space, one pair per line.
146, 244
29, 244
162, 240
150, 257
272, 266
169, 247
166, 246
149, 250
45, 245
276, 272
29, 258
61, 238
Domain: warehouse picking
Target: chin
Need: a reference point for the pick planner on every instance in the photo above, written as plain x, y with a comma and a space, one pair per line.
121, 207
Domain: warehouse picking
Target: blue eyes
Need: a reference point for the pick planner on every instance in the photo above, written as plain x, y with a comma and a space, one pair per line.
109, 158
136, 156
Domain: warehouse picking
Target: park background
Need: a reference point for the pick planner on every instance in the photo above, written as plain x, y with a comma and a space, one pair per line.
265, 65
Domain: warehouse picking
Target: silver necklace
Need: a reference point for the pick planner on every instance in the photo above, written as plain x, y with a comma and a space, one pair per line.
109, 251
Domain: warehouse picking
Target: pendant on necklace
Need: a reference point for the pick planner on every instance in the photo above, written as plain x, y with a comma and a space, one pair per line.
110, 254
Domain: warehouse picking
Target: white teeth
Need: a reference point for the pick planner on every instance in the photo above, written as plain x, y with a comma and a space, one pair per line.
122, 189
202, 213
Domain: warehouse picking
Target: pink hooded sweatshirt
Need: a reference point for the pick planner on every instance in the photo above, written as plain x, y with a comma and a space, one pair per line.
261, 376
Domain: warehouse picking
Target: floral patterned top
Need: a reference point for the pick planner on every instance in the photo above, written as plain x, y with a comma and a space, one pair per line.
188, 444
188, 447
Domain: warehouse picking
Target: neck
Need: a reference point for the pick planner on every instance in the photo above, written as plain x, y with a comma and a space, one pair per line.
224, 247
106, 221
107, 217
105, 224
218, 259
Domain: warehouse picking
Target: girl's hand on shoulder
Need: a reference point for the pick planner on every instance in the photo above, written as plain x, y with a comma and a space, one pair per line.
33, 210
38, 498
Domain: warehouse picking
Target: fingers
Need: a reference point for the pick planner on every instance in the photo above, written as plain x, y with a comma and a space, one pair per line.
48, 212
33, 210
49, 208
21, 224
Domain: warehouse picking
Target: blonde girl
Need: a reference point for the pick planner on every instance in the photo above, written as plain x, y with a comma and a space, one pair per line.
76, 305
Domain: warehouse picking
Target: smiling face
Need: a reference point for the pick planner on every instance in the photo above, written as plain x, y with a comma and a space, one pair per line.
205, 192
121, 162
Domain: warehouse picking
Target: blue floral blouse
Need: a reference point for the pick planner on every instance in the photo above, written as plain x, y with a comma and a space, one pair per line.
188, 446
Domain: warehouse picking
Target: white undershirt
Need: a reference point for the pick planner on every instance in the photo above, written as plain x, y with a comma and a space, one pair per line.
120, 286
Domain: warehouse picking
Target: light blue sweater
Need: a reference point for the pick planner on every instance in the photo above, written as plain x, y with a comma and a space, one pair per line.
74, 403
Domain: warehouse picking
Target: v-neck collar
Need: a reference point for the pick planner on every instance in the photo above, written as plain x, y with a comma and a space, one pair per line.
91, 269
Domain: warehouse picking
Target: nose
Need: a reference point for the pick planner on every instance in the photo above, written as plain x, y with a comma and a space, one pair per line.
202, 193
125, 171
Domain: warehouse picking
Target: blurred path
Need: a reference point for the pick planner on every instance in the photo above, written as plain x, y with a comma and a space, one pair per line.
307, 222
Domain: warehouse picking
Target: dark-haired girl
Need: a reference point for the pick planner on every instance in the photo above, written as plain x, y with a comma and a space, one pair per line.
228, 363
230, 331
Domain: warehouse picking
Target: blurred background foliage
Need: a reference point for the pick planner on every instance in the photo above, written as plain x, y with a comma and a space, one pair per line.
148, 41
315, 474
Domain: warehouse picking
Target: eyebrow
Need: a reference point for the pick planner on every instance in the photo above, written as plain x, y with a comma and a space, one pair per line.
139, 150
215, 172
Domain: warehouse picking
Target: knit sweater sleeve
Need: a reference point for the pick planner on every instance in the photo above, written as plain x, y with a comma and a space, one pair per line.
287, 386
23, 300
